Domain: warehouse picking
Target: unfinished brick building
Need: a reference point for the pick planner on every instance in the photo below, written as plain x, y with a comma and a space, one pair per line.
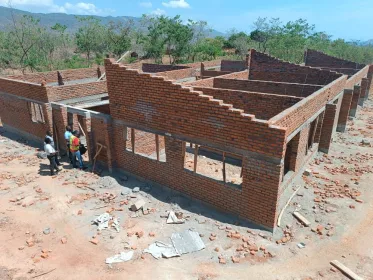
233, 134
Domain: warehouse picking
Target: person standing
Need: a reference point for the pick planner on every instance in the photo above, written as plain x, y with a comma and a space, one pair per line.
68, 135
74, 148
51, 155
50, 137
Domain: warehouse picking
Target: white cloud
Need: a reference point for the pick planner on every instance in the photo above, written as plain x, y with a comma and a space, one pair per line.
83, 8
158, 12
146, 4
176, 4
80, 8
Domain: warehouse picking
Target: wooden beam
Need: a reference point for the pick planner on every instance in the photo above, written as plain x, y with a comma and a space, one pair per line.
123, 56
133, 139
345, 270
81, 129
299, 216
224, 175
157, 145
286, 205
99, 147
195, 157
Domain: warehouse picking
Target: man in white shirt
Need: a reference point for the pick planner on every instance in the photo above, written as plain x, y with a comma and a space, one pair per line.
67, 135
51, 155
49, 136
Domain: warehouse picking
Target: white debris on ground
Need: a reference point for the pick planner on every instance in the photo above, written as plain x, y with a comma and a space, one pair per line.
184, 242
173, 219
122, 257
105, 220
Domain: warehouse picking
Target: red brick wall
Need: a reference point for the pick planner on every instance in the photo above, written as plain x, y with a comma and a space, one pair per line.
265, 67
14, 112
295, 116
356, 79
233, 65
256, 201
210, 73
197, 65
299, 148
267, 87
209, 82
167, 108
155, 68
319, 59
345, 109
24, 89
319, 127
355, 100
178, 74
346, 71
170, 108
145, 142
243, 75
172, 174
51, 77
60, 123
327, 127
263, 106
98, 134
105, 109
58, 93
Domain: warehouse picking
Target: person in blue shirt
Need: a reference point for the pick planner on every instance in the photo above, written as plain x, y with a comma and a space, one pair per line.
67, 135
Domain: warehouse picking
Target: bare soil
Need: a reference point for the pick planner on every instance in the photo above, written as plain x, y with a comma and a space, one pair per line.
337, 198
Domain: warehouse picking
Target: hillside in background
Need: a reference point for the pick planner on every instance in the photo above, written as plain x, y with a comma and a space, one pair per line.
367, 43
70, 21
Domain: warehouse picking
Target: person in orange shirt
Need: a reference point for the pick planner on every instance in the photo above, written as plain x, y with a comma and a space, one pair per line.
74, 149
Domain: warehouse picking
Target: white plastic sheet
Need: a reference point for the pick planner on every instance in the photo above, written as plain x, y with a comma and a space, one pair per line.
184, 242
122, 257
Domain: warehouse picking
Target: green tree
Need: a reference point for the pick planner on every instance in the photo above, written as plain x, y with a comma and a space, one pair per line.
119, 36
90, 37
24, 35
230, 42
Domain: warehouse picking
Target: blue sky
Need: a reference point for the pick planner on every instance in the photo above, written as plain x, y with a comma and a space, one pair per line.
350, 20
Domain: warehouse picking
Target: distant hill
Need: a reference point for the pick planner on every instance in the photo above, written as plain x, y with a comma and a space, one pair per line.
367, 43
70, 21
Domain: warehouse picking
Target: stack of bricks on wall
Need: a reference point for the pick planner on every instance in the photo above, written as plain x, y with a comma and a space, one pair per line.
233, 134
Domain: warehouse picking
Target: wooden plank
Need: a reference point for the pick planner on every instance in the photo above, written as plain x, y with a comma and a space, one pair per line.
123, 56
224, 175
81, 129
195, 157
286, 205
302, 219
345, 270
133, 139
157, 145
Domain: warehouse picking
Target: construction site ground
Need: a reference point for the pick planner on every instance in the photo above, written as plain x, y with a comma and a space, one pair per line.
46, 230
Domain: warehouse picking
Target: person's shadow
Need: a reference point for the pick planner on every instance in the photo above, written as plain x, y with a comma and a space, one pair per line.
44, 170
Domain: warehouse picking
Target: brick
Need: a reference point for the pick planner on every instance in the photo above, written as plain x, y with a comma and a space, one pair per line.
94, 241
